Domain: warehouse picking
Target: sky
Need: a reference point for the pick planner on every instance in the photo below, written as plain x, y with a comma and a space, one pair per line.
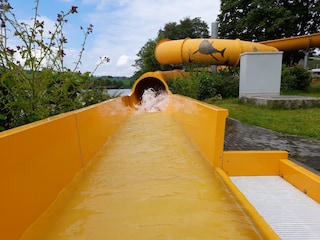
120, 27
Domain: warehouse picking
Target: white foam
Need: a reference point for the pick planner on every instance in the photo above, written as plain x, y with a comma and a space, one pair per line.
153, 101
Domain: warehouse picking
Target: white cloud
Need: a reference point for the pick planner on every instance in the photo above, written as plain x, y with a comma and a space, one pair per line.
123, 60
129, 26
122, 27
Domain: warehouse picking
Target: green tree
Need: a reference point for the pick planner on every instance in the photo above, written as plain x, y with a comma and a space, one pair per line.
260, 20
192, 28
146, 61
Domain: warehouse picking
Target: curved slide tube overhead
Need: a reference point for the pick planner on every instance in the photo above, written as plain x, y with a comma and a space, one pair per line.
226, 51
206, 51
210, 51
213, 51
295, 43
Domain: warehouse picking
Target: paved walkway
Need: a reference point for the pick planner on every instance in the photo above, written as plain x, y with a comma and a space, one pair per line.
240, 136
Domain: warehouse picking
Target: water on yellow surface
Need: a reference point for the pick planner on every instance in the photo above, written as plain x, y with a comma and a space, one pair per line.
148, 182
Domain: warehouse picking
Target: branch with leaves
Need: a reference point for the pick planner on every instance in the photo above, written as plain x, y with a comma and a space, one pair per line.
34, 82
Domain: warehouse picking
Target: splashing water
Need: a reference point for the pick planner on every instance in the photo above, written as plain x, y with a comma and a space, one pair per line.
153, 101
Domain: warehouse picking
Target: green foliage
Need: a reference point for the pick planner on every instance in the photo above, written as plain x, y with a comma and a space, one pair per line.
203, 84
315, 89
207, 85
34, 83
295, 78
109, 82
146, 61
268, 19
261, 20
185, 85
224, 84
192, 28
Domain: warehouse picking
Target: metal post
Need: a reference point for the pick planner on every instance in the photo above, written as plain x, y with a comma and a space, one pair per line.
306, 57
214, 30
214, 35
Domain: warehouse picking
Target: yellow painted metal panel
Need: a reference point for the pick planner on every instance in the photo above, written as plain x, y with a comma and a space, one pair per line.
225, 51
252, 163
208, 51
167, 75
97, 123
37, 161
301, 178
203, 123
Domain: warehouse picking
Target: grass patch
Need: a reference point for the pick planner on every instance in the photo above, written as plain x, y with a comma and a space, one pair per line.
300, 122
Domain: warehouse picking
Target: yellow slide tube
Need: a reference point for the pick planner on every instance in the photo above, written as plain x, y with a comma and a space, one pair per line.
156, 80
206, 51
295, 43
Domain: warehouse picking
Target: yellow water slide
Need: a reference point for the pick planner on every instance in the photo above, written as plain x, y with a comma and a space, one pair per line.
225, 51
303, 42
112, 171
208, 51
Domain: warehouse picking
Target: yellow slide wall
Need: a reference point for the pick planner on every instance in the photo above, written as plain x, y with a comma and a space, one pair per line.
39, 159
252, 163
203, 123
301, 178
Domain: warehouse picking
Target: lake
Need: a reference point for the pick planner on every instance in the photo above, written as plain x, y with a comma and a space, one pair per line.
121, 92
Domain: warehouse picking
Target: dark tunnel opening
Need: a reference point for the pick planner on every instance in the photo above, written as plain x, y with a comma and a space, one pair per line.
146, 83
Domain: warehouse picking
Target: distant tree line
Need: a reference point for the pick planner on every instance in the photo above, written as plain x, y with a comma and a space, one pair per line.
110, 82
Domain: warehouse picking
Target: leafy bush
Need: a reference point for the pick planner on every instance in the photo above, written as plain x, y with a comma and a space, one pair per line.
185, 85
224, 83
207, 85
295, 78
34, 82
203, 85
